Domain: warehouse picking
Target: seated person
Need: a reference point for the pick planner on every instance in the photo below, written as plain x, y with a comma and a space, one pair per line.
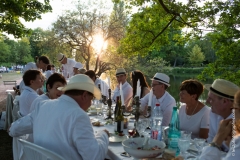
33, 80
76, 68
121, 76
228, 131
160, 83
220, 98
193, 115
63, 126
103, 85
54, 81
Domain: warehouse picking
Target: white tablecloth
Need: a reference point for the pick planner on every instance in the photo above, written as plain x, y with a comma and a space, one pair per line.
114, 148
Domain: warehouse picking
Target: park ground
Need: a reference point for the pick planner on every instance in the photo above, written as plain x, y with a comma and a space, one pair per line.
5, 139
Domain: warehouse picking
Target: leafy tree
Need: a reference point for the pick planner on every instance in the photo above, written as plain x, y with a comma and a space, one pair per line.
4, 51
196, 55
79, 28
23, 51
12, 11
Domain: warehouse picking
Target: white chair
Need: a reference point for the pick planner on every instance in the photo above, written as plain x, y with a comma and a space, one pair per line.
32, 151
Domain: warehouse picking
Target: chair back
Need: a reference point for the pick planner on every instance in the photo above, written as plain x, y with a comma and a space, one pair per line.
32, 151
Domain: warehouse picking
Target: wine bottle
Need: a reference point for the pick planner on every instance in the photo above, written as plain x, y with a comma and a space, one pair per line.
119, 120
174, 132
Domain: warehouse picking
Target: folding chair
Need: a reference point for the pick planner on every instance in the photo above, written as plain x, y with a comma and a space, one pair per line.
32, 151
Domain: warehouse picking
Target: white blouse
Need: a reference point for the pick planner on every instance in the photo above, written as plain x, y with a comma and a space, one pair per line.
194, 122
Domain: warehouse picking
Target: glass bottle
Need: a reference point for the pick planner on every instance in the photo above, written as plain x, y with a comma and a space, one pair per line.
119, 120
174, 132
157, 123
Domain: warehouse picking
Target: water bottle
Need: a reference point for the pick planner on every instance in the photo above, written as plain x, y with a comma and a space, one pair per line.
157, 115
174, 132
156, 132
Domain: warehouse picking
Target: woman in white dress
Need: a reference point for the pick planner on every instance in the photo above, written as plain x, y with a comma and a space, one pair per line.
193, 114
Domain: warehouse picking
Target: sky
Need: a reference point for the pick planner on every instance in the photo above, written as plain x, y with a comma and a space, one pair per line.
58, 8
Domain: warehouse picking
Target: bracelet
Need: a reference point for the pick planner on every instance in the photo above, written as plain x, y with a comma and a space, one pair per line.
213, 144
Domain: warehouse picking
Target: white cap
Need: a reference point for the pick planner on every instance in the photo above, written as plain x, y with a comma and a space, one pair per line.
78, 65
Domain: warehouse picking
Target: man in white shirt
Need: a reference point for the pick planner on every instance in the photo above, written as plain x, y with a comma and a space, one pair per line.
76, 68
63, 126
33, 80
103, 85
220, 97
67, 65
160, 82
121, 76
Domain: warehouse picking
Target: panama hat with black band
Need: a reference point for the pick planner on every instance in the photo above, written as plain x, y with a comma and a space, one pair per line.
222, 88
120, 71
60, 57
162, 78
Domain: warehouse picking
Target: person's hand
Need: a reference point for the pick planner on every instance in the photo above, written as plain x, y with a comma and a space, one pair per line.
107, 132
224, 130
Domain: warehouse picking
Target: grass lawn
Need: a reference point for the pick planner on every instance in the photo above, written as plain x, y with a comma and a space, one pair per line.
10, 77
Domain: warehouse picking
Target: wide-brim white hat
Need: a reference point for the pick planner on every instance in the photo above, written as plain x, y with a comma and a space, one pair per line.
161, 77
82, 82
60, 57
78, 65
120, 71
222, 88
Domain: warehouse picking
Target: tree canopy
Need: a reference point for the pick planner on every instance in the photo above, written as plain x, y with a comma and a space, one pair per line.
11, 12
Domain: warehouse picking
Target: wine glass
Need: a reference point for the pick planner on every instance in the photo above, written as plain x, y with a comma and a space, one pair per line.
186, 134
199, 144
131, 132
141, 126
183, 144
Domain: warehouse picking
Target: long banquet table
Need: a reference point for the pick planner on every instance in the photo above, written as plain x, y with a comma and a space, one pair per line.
114, 148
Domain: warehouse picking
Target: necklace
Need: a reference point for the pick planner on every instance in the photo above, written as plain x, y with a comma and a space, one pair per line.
189, 117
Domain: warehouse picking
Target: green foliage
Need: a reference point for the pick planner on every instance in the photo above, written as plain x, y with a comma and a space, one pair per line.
12, 11
187, 71
4, 51
195, 56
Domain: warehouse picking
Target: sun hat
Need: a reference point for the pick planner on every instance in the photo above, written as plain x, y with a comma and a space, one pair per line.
60, 57
78, 65
161, 77
120, 71
82, 82
222, 88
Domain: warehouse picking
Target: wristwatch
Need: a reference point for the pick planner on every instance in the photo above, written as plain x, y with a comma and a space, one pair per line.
213, 144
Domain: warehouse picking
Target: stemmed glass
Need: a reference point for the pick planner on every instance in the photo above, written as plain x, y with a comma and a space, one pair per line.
186, 134
199, 144
131, 132
141, 126
183, 144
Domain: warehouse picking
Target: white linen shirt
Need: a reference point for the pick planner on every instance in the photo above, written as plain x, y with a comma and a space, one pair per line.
38, 100
194, 122
212, 153
214, 124
127, 92
28, 66
48, 73
104, 86
167, 102
68, 68
25, 100
61, 126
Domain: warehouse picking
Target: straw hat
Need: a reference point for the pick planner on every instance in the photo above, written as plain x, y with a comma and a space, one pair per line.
161, 77
120, 71
222, 88
82, 82
78, 65
60, 57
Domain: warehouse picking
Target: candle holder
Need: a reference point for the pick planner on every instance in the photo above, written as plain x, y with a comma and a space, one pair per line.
136, 110
109, 102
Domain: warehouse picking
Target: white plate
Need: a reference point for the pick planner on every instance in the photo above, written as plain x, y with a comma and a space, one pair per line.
116, 138
92, 112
